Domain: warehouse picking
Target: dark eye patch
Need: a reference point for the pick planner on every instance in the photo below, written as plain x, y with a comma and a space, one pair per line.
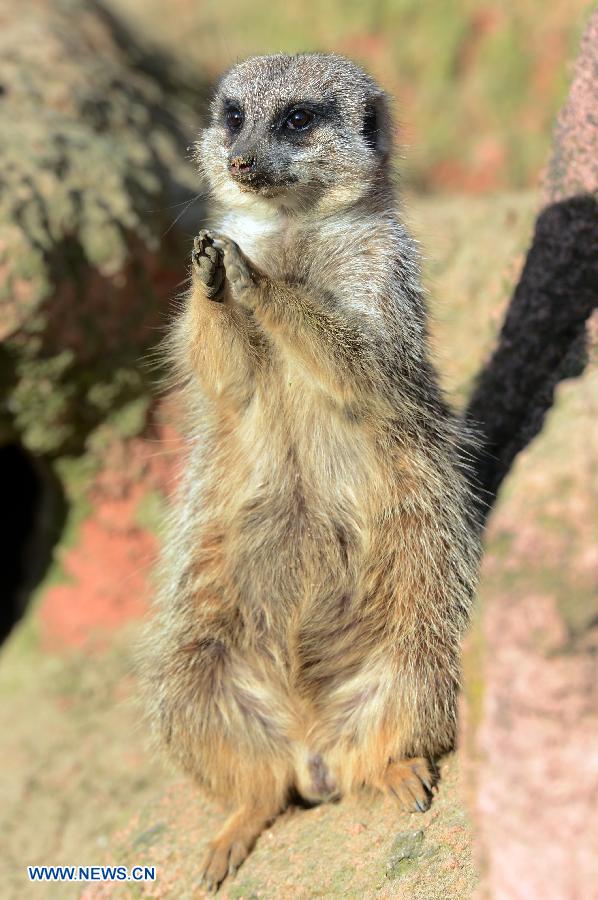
295, 120
370, 125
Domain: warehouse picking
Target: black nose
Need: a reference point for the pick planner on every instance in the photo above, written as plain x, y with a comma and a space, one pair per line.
242, 165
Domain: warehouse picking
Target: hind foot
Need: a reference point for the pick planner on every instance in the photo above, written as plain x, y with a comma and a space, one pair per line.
409, 783
233, 843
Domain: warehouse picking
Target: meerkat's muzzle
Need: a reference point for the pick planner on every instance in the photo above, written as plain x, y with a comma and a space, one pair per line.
249, 173
242, 166
255, 172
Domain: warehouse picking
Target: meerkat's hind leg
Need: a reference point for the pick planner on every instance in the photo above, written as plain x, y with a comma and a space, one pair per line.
409, 782
234, 841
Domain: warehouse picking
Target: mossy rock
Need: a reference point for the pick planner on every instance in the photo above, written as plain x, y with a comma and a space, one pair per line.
93, 136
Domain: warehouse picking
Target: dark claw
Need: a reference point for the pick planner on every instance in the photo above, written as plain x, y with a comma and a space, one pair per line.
209, 261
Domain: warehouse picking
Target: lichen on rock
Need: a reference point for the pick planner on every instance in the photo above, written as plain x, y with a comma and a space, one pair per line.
94, 172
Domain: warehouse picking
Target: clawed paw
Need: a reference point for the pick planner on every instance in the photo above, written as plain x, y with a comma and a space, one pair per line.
216, 260
208, 265
223, 858
409, 782
238, 271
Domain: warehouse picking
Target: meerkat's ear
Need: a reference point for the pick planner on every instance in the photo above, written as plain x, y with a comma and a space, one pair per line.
377, 125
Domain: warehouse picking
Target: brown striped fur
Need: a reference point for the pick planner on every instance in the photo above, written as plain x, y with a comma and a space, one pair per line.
322, 555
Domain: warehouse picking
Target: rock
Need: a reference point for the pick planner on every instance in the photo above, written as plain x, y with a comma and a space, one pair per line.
93, 160
529, 722
407, 847
97, 206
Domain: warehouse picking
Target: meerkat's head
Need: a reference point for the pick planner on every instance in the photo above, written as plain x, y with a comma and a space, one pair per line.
294, 132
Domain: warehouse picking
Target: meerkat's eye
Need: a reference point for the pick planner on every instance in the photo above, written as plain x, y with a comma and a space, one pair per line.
299, 119
234, 118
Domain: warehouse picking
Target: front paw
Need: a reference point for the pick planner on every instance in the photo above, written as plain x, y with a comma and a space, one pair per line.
208, 266
241, 278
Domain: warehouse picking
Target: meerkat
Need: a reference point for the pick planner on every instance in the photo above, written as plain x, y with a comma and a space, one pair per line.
322, 553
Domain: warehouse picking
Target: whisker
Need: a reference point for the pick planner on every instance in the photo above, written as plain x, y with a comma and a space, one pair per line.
182, 213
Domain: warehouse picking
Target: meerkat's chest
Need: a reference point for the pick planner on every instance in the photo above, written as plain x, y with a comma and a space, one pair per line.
253, 233
270, 241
